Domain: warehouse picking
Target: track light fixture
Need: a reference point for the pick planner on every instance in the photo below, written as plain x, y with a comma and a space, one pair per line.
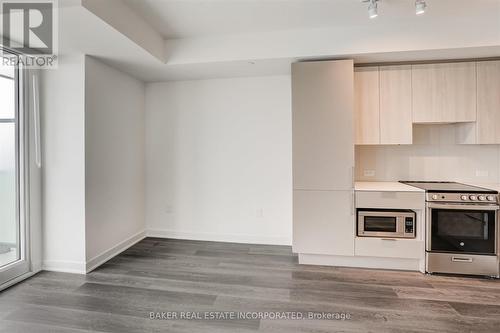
372, 8
420, 7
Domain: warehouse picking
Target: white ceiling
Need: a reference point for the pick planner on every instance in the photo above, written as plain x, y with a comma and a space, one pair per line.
222, 38
196, 18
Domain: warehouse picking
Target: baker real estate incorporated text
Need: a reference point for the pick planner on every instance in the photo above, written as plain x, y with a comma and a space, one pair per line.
248, 315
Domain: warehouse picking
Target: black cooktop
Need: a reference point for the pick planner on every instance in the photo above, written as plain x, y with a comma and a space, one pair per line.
448, 187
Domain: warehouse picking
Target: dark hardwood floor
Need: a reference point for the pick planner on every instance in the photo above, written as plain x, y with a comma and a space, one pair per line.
194, 277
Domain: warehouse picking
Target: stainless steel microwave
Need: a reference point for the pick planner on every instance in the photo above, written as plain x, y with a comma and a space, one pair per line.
385, 223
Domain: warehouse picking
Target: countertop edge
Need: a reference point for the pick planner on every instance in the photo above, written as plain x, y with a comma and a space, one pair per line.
360, 186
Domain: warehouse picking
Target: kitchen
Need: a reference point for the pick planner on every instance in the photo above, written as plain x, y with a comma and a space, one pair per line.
420, 130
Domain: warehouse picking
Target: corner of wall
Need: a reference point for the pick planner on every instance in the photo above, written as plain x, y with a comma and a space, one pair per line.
100, 259
111, 94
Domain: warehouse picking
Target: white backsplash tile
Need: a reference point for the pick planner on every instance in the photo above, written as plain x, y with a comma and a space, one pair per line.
370, 158
434, 156
397, 163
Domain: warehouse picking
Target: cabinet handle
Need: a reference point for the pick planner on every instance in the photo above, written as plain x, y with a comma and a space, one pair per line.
353, 204
461, 259
353, 199
352, 176
389, 239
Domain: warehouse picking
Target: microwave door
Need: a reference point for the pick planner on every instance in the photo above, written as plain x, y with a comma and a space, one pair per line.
382, 224
378, 224
386, 224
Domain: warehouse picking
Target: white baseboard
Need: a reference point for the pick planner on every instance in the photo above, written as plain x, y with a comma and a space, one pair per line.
360, 262
77, 267
216, 237
112, 252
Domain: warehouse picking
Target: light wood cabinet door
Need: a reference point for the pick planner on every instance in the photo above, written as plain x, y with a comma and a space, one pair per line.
395, 105
366, 106
488, 102
444, 92
322, 130
323, 222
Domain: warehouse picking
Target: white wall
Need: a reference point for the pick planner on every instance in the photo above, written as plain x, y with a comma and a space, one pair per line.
218, 160
114, 161
63, 114
433, 156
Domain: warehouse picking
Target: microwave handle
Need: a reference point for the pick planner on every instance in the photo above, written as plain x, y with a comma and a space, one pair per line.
463, 207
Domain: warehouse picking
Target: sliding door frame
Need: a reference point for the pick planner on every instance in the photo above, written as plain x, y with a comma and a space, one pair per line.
27, 175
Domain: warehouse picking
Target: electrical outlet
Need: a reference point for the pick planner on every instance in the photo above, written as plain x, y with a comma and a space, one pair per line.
369, 173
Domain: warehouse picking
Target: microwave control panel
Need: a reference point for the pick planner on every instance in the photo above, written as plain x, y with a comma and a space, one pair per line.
409, 225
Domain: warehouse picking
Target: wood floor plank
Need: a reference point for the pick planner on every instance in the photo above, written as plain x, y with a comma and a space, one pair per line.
358, 300
477, 310
146, 294
363, 277
448, 295
212, 288
19, 327
86, 320
6, 308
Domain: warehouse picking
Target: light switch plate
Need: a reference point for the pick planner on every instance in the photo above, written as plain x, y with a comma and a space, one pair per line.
369, 173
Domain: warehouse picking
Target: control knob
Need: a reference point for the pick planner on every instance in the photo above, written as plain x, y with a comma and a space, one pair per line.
481, 198
491, 198
435, 197
473, 197
464, 197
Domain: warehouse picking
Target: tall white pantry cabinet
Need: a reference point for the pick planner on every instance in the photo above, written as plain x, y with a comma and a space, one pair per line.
323, 157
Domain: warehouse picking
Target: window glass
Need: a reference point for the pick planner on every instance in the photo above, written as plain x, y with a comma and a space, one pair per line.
7, 71
9, 243
7, 98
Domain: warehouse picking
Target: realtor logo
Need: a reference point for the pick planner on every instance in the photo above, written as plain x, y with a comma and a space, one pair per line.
30, 27
27, 26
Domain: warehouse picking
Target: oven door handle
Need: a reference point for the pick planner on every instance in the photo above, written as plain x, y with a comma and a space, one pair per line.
463, 207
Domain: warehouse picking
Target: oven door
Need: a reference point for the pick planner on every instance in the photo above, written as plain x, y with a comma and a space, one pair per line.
462, 228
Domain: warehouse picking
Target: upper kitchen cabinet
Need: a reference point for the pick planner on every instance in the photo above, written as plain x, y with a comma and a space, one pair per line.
395, 105
488, 102
322, 116
444, 93
382, 105
366, 105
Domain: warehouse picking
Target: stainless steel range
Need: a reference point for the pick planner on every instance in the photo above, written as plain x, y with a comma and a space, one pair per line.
461, 229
